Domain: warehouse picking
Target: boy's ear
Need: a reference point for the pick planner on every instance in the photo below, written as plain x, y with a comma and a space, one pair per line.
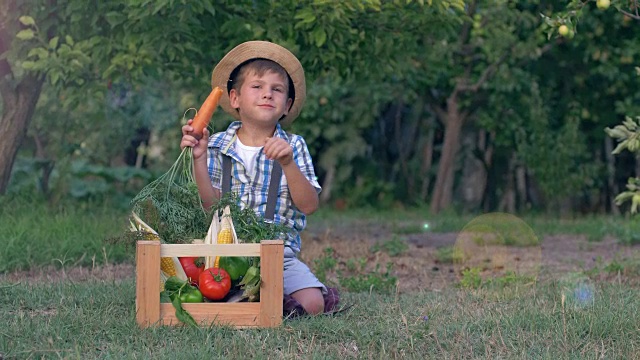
287, 107
233, 99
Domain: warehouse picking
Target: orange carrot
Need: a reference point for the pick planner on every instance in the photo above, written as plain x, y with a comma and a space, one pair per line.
203, 116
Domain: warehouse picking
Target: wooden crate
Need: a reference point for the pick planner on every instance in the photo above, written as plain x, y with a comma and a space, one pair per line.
265, 313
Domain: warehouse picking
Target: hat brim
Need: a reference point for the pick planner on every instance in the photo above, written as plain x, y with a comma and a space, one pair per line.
260, 50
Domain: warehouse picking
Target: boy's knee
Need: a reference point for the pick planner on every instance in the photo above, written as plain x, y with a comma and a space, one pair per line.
311, 300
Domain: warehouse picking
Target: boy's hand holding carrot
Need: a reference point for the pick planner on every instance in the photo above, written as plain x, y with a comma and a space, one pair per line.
195, 134
188, 139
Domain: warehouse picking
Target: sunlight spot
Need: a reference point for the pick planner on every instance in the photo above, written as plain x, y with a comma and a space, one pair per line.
578, 290
498, 245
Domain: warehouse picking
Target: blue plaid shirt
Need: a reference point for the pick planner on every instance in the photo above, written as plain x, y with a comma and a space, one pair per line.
252, 188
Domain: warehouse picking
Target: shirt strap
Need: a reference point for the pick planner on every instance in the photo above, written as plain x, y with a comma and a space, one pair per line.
226, 174
226, 167
274, 184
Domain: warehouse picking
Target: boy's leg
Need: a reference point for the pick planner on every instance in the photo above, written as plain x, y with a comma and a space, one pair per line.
301, 287
311, 300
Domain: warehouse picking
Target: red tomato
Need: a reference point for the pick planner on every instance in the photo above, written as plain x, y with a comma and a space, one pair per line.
193, 267
215, 283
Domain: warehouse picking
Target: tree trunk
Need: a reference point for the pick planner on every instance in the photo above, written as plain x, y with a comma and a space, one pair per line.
47, 164
508, 202
612, 187
443, 188
19, 97
427, 158
521, 187
327, 184
18, 106
473, 177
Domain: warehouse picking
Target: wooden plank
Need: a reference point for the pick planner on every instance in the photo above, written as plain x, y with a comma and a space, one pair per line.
147, 283
271, 272
234, 314
168, 250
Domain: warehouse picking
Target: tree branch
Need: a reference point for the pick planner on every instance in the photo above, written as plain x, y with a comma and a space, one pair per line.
436, 106
465, 33
484, 77
635, 16
6, 73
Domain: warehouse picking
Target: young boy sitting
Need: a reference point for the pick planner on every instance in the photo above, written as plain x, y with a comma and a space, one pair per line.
264, 88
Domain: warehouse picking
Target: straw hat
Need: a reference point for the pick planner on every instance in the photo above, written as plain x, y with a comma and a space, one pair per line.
260, 50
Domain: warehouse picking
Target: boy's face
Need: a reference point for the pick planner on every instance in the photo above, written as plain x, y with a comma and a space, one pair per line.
261, 99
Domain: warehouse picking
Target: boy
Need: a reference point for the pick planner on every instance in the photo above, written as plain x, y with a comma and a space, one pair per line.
263, 87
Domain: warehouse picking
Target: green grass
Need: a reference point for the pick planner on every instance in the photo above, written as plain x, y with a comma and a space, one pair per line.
394, 247
34, 235
419, 220
401, 221
509, 318
97, 320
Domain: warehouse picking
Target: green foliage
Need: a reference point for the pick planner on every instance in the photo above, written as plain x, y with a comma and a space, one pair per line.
471, 278
324, 264
628, 233
171, 204
394, 247
614, 267
78, 180
249, 226
376, 72
509, 279
627, 135
376, 280
353, 275
449, 255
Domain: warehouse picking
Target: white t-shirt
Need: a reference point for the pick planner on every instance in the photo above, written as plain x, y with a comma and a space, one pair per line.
248, 154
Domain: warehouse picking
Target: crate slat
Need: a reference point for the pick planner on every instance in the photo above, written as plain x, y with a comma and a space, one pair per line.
169, 250
233, 314
147, 282
271, 273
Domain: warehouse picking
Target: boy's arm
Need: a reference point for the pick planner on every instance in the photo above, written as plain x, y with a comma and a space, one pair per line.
208, 193
303, 194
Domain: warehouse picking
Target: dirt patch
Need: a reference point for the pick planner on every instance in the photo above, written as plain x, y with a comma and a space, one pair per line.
419, 266
117, 272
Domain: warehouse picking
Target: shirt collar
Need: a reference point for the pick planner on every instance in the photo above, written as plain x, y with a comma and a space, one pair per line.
226, 142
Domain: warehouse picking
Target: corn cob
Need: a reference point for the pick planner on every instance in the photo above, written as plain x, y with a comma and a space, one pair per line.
224, 237
163, 278
167, 266
170, 266
223, 232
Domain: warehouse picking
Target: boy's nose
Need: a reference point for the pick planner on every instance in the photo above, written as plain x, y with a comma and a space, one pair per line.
267, 94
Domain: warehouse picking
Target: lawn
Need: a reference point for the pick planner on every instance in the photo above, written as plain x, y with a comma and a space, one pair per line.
96, 319
66, 293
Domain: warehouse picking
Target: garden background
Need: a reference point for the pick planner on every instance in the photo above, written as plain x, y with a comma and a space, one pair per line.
469, 186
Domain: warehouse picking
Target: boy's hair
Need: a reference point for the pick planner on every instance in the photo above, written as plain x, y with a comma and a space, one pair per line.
259, 67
